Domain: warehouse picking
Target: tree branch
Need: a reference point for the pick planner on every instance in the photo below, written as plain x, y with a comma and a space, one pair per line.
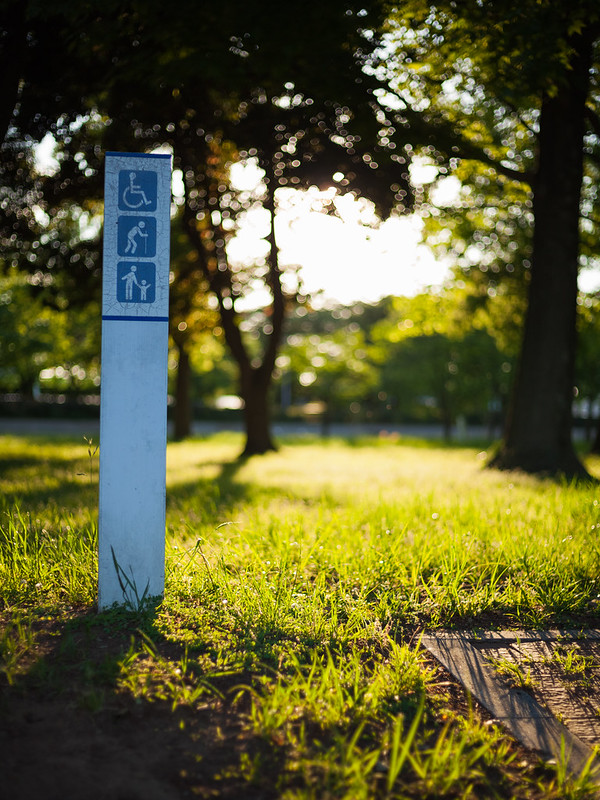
274, 338
452, 144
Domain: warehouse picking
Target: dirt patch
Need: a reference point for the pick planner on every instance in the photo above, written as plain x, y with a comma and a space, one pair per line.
125, 753
68, 732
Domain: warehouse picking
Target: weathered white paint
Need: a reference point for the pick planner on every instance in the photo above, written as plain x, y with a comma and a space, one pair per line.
133, 411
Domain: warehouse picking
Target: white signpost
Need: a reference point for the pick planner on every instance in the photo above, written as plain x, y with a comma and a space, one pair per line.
133, 411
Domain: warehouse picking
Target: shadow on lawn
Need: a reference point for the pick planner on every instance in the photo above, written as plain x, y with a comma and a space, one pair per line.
220, 496
89, 736
19, 465
34, 482
219, 493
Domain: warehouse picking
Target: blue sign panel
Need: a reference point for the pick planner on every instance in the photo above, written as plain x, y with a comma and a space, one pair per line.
136, 236
137, 190
136, 282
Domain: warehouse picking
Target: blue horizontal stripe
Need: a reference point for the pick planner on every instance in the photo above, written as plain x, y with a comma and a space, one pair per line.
140, 155
117, 317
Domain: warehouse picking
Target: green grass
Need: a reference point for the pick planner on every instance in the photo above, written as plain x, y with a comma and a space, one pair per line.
297, 586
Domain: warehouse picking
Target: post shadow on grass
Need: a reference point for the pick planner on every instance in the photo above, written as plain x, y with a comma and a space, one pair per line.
220, 494
69, 705
215, 494
85, 653
67, 491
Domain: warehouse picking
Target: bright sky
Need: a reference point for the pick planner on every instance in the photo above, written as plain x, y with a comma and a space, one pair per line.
347, 257
340, 257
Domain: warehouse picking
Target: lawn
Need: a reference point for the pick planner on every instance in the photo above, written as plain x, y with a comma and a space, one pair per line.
284, 660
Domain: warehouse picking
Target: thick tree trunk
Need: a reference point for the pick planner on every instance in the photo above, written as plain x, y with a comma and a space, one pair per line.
183, 409
538, 432
254, 391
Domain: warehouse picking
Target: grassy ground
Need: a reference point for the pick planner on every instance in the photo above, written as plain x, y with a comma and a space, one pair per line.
284, 659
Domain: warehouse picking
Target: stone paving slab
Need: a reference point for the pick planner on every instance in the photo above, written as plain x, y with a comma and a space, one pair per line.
529, 718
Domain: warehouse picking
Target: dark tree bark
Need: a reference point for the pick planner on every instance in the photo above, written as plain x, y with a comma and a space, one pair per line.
254, 389
446, 414
183, 407
538, 431
595, 448
254, 380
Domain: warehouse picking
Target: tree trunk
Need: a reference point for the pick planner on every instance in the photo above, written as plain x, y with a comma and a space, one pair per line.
596, 442
183, 415
254, 381
445, 413
538, 431
254, 391
446, 424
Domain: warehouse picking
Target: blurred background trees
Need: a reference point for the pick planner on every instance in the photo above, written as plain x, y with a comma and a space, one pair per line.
514, 89
498, 106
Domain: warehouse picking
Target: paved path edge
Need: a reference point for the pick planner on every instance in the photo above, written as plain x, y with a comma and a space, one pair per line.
527, 720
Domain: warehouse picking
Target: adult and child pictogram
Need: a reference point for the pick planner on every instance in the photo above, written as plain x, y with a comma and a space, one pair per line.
136, 282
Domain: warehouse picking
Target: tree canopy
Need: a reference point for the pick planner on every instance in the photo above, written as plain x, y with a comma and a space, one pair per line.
504, 98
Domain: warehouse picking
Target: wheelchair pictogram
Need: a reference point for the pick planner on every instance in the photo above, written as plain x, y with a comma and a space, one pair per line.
136, 283
137, 190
